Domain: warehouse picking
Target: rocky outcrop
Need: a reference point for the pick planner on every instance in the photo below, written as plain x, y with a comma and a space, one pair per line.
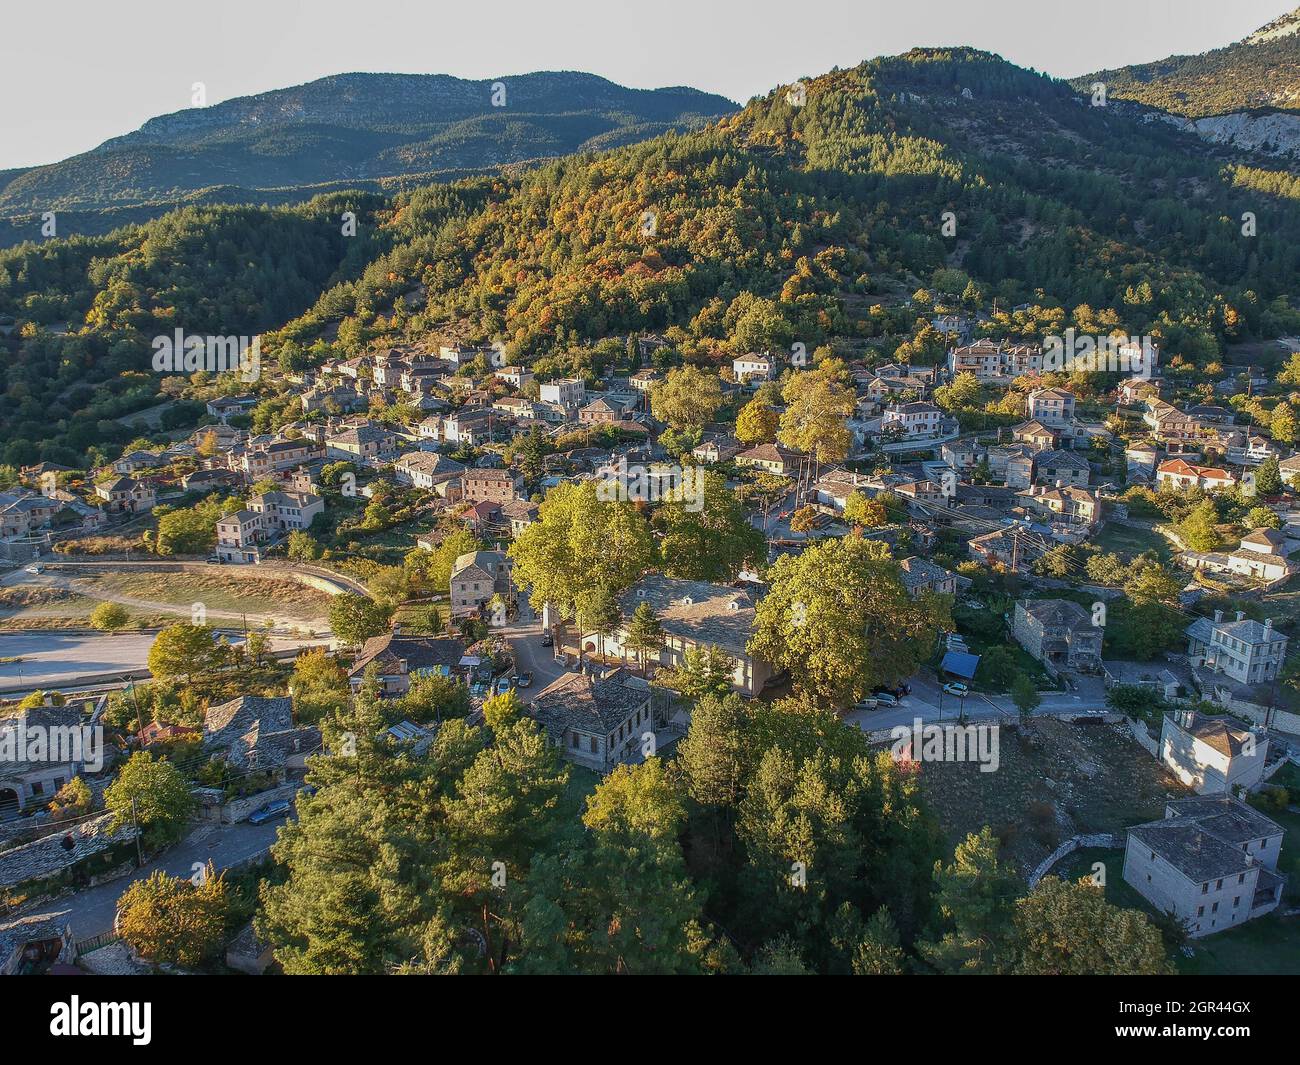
1271, 132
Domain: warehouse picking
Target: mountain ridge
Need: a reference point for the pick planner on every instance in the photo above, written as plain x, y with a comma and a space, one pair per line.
1258, 72
354, 126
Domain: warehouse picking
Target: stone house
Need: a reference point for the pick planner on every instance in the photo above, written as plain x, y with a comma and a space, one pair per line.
693, 614
596, 723
1213, 755
476, 577
400, 657
1059, 633
491, 485
1211, 861
1247, 651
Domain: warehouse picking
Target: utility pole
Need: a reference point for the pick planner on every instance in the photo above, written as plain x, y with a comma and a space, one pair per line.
139, 851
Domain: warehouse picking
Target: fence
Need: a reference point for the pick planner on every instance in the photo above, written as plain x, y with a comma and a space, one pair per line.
85, 946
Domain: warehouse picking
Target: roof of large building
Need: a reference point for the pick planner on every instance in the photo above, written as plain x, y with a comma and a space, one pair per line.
388, 650
226, 722
1057, 460
1226, 735
1182, 468
1056, 613
577, 701
1247, 630
770, 453
918, 572
695, 610
486, 562
1203, 835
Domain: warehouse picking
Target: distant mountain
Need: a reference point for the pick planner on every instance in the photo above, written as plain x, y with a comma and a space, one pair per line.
351, 129
1261, 71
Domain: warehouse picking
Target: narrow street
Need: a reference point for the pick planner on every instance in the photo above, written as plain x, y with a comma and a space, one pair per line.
91, 912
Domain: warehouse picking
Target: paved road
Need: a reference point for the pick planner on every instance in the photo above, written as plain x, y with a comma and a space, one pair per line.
53, 659
525, 636
928, 702
92, 911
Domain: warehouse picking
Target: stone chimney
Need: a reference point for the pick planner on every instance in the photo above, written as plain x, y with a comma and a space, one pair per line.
1241, 615
1268, 628
1218, 616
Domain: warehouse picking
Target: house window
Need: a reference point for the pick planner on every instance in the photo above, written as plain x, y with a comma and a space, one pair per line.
1214, 908
1241, 878
594, 745
1218, 886
1235, 901
1200, 911
1205, 888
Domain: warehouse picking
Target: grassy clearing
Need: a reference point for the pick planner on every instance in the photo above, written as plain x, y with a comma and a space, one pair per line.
224, 593
1127, 542
1265, 946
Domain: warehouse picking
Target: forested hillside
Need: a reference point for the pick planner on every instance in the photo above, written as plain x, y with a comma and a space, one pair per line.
782, 223
803, 222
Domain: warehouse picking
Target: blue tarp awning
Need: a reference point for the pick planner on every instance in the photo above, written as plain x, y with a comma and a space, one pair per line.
960, 663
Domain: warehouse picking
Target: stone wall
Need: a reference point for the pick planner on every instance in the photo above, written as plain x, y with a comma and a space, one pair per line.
1149, 743
1099, 839
238, 809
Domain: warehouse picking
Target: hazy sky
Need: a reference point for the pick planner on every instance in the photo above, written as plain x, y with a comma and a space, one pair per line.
76, 72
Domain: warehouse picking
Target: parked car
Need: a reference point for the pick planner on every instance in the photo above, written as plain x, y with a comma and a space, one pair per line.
869, 703
502, 685
897, 692
35, 567
214, 560
884, 698
524, 680
270, 812
957, 688
547, 639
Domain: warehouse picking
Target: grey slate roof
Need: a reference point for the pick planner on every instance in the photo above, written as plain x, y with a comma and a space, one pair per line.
1204, 835
577, 701
698, 611
420, 652
225, 723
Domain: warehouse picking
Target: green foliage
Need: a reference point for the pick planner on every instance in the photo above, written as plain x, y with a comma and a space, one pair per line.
1024, 693
1066, 929
355, 618
1199, 529
687, 398
171, 920
108, 617
840, 619
184, 651
578, 544
975, 899
152, 794
707, 535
